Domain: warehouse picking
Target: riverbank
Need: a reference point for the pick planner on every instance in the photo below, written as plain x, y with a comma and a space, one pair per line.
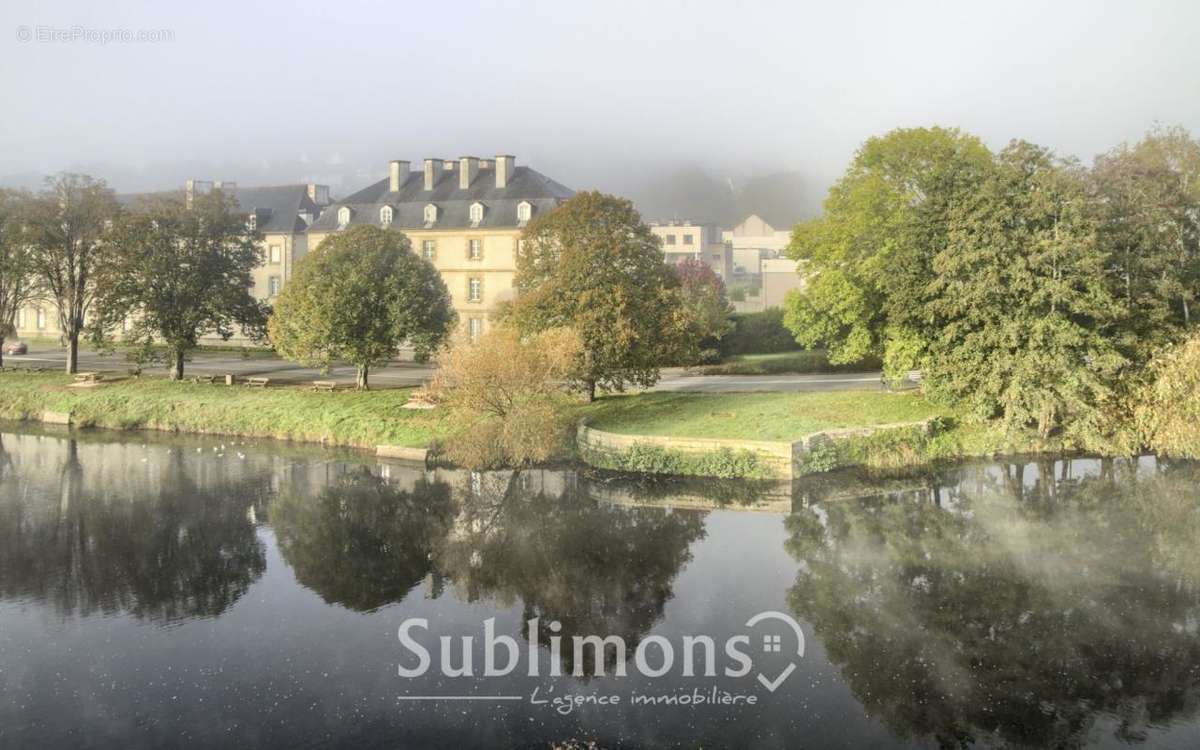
856, 423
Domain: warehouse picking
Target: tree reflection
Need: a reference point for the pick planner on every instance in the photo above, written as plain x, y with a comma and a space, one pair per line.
171, 551
595, 567
362, 542
1017, 612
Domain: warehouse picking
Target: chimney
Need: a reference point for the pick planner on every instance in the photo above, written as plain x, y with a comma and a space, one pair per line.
468, 168
397, 175
505, 164
433, 172
318, 194
192, 188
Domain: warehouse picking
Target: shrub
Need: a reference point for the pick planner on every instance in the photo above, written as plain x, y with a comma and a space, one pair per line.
505, 396
758, 333
644, 458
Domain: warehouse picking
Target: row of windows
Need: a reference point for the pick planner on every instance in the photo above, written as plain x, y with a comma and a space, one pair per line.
387, 214
38, 313
688, 239
474, 249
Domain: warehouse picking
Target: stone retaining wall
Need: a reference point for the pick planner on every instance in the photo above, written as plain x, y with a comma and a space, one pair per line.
780, 460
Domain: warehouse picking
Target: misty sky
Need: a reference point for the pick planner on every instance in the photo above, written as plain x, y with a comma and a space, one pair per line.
596, 94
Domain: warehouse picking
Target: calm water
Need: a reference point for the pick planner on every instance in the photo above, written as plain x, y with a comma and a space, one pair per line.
203, 593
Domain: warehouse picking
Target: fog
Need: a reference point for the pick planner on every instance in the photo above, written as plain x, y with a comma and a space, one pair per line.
670, 103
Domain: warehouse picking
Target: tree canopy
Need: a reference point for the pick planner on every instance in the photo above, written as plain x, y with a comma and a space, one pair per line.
174, 272
67, 228
357, 298
592, 265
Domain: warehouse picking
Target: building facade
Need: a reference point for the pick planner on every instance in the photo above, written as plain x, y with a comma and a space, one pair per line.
687, 239
465, 216
755, 240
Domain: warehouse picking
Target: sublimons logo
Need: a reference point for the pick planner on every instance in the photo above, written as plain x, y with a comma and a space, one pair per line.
654, 656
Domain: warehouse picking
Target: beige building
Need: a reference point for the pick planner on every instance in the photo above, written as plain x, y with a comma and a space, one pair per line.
754, 240
281, 214
465, 216
686, 239
779, 276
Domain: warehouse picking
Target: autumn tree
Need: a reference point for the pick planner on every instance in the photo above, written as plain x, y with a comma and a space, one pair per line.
357, 298
175, 272
1021, 300
868, 259
593, 266
505, 396
1146, 199
66, 231
16, 277
703, 295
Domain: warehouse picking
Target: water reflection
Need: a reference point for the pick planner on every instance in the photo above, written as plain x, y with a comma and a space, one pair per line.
1014, 603
165, 548
1040, 603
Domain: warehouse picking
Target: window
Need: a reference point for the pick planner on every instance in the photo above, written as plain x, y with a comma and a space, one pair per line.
276, 253
343, 217
41, 319
670, 238
385, 216
687, 239
252, 222
476, 214
474, 327
474, 290
524, 211
431, 214
429, 249
273, 286
474, 249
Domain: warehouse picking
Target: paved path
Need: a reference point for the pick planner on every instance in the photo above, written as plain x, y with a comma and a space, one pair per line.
411, 373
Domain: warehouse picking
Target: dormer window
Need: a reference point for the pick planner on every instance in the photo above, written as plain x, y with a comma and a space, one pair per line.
431, 215
385, 216
524, 211
476, 214
343, 217
252, 222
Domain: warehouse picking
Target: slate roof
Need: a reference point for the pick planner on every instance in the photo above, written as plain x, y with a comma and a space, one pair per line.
278, 207
453, 203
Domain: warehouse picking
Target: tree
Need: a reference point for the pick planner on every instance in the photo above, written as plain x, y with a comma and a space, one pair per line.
16, 278
67, 227
176, 272
593, 266
1170, 411
1021, 300
868, 259
356, 298
703, 294
505, 394
1147, 202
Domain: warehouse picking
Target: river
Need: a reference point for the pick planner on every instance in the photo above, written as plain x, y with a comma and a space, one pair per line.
180, 592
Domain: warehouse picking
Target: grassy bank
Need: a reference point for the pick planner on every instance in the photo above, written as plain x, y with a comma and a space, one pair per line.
365, 420
783, 363
346, 418
753, 416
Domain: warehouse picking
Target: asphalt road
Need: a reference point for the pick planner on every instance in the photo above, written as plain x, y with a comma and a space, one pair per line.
411, 373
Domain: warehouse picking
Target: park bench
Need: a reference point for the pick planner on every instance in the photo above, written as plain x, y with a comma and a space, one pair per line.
88, 377
210, 379
257, 382
325, 385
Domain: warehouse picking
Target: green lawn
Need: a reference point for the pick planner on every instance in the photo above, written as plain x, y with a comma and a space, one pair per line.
344, 418
783, 363
753, 416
